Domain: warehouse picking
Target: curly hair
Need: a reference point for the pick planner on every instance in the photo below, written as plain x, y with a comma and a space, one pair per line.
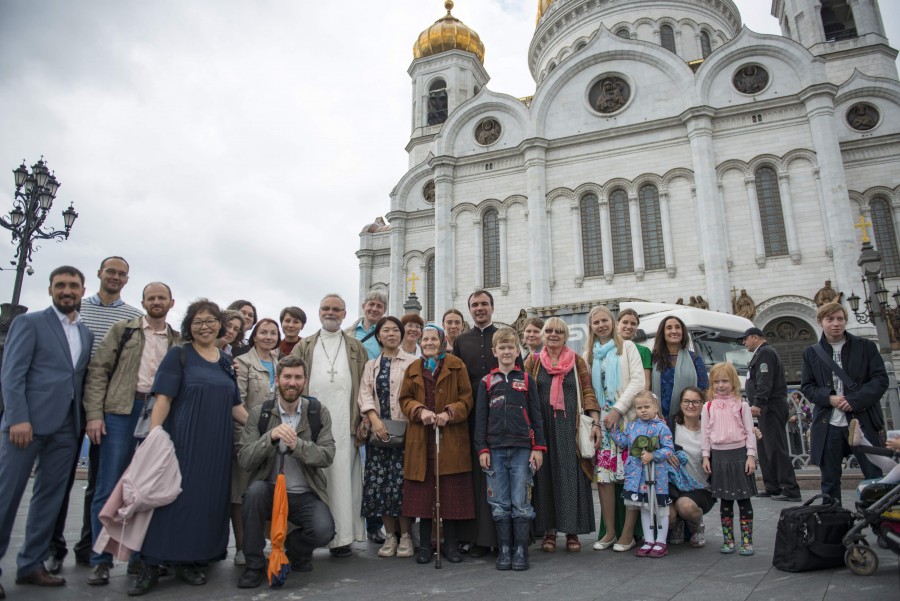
201, 304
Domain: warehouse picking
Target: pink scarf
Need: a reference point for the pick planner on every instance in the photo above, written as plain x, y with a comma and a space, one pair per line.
563, 366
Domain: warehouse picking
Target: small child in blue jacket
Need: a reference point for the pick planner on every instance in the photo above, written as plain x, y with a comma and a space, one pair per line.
509, 436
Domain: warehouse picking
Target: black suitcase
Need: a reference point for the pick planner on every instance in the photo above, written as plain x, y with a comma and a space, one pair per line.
809, 537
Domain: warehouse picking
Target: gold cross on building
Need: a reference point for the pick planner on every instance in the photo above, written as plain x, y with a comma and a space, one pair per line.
412, 282
864, 226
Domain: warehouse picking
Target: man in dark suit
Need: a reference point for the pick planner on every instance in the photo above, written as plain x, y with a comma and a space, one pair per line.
44, 363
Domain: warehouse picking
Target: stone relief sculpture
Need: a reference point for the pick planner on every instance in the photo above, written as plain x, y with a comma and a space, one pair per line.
609, 94
488, 132
428, 192
701, 303
743, 305
751, 79
862, 116
827, 294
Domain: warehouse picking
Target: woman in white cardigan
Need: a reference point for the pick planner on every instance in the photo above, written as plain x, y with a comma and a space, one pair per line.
617, 374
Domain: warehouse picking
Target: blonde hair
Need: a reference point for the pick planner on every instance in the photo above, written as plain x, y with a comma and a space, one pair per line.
502, 335
727, 370
828, 309
555, 323
591, 337
646, 394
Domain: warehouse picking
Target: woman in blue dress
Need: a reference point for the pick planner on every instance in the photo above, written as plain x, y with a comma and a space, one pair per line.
196, 399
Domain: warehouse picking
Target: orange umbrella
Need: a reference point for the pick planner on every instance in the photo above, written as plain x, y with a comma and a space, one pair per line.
279, 566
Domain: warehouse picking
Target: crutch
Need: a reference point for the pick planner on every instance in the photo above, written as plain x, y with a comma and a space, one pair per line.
437, 495
650, 480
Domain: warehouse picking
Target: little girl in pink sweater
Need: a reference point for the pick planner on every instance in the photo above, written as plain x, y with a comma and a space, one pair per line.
729, 453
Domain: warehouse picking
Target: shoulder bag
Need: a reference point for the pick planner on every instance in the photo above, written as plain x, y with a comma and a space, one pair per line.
586, 448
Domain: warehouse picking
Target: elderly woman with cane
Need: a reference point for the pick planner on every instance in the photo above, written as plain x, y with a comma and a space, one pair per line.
436, 395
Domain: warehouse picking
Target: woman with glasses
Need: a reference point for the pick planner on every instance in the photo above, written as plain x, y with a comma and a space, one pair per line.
690, 505
196, 400
379, 400
562, 488
256, 383
412, 333
234, 331
674, 366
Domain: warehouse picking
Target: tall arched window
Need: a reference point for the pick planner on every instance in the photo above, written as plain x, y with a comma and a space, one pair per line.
490, 241
591, 248
437, 102
705, 44
885, 237
620, 222
770, 215
837, 20
667, 37
623, 33
429, 289
651, 228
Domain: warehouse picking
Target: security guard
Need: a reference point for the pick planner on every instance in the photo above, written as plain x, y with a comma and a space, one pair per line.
767, 394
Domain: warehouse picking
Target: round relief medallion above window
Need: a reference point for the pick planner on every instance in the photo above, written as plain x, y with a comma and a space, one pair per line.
428, 191
609, 94
751, 79
487, 132
862, 116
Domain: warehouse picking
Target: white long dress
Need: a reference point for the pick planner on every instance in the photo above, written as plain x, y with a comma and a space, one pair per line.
345, 473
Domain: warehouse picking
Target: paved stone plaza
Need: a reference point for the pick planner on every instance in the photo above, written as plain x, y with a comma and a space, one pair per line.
702, 574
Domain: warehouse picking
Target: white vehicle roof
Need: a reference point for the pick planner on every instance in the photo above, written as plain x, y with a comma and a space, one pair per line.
653, 313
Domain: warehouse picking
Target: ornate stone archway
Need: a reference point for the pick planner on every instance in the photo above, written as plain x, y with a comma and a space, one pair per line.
789, 325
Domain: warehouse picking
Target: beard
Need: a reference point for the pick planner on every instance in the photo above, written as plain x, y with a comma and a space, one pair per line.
68, 310
289, 395
331, 325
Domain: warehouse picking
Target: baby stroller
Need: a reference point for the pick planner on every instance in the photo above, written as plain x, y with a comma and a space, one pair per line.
878, 508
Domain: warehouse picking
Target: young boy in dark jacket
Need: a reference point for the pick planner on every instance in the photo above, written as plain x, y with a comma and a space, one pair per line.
509, 436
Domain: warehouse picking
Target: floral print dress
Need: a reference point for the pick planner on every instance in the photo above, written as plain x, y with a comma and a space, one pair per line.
636, 490
610, 459
383, 481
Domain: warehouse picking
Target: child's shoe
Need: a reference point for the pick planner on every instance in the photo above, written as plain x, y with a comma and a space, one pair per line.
504, 543
644, 550
521, 540
659, 550
746, 550
727, 548
746, 537
728, 535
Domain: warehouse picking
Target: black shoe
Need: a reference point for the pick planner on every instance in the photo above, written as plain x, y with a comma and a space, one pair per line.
375, 536
504, 541
251, 578
99, 575
53, 565
796, 499
192, 576
83, 560
766, 494
424, 554
451, 552
521, 538
302, 563
344, 551
477, 551
2, 592
145, 581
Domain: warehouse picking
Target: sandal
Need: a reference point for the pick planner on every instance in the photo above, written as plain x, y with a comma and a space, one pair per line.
549, 544
573, 545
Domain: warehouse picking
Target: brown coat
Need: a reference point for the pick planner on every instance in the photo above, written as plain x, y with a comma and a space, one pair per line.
452, 392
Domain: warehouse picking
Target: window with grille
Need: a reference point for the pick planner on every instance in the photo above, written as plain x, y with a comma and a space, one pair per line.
885, 237
491, 247
620, 223
651, 228
705, 44
591, 247
667, 38
770, 216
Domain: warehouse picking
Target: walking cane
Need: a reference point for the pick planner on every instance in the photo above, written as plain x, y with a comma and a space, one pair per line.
437, 495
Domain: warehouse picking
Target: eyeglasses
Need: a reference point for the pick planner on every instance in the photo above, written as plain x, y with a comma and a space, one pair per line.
552, 331
210, 323
331, 309
691, 403
121, 274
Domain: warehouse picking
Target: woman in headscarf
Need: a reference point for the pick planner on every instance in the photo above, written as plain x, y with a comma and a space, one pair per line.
436, 393
674, 366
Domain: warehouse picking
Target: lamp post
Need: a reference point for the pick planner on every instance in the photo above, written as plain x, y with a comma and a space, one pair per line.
32, 201
878, 313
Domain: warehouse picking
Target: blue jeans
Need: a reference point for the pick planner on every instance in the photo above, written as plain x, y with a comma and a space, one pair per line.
116, 450
509, 482
836, 448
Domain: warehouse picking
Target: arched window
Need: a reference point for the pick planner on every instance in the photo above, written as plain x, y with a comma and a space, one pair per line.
490, 242
437, 102
591, 248
651, 228
667, 37
885, 237
770, 215
705, 44
623, 33
429, 289
837, 20
620, 222
551, 67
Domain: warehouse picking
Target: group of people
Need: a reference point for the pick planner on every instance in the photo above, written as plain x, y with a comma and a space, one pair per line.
386, 420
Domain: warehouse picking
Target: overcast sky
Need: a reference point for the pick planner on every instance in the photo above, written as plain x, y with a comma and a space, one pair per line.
233, 149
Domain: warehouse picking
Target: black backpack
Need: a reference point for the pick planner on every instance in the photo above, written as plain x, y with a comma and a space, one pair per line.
313, 413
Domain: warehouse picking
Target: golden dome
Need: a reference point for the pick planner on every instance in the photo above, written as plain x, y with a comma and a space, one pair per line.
543, 5
448, 33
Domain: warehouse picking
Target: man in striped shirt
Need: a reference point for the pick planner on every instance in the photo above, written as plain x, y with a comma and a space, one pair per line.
98, 312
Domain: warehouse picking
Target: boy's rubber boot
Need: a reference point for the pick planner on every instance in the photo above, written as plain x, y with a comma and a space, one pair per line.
504, 543
522, 536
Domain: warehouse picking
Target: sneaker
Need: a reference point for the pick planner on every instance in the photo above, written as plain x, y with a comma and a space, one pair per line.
727, 548
698, 538
854, 435
389, 548
746, 550
659, 550
239, 559
676, 533
406, 548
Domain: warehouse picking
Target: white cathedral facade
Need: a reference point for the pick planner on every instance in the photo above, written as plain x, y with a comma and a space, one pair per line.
667, 152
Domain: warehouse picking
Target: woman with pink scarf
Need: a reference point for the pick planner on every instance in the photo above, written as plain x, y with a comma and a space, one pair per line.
562, 495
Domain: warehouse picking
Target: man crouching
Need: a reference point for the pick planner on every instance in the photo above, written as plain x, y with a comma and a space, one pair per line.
300, 427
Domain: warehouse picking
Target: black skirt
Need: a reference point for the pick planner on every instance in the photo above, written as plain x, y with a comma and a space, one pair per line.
702, 497
728, 480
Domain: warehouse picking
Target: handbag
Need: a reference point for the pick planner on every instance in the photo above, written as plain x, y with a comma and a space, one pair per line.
810, 537
396, 438
586, 448
142, 427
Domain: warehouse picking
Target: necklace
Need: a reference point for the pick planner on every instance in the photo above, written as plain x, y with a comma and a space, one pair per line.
331, 361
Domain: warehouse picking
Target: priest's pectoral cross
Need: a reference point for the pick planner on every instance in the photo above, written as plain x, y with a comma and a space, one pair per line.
332, 372
864, 226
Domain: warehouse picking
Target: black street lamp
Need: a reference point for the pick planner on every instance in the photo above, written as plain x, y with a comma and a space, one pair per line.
32, 201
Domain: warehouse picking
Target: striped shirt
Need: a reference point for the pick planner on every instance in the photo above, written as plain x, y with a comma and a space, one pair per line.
99, 318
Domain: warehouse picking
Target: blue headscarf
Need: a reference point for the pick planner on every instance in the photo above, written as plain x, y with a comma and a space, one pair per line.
432, 363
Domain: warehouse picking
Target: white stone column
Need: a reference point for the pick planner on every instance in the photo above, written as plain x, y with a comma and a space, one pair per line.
864, 17
577, 243
720, 197
759, 243
479, 252
504, 269
538, 221
787, 212
664, 217
819, 101
453, 290
365, 272
637, 245
443, 168
718, 287
606, 241
552, 273
398, 249
829, 251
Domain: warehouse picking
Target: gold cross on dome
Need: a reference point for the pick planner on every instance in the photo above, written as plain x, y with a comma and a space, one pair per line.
864, 226
412, 282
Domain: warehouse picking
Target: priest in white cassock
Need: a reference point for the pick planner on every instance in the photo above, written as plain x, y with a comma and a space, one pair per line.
335, 361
